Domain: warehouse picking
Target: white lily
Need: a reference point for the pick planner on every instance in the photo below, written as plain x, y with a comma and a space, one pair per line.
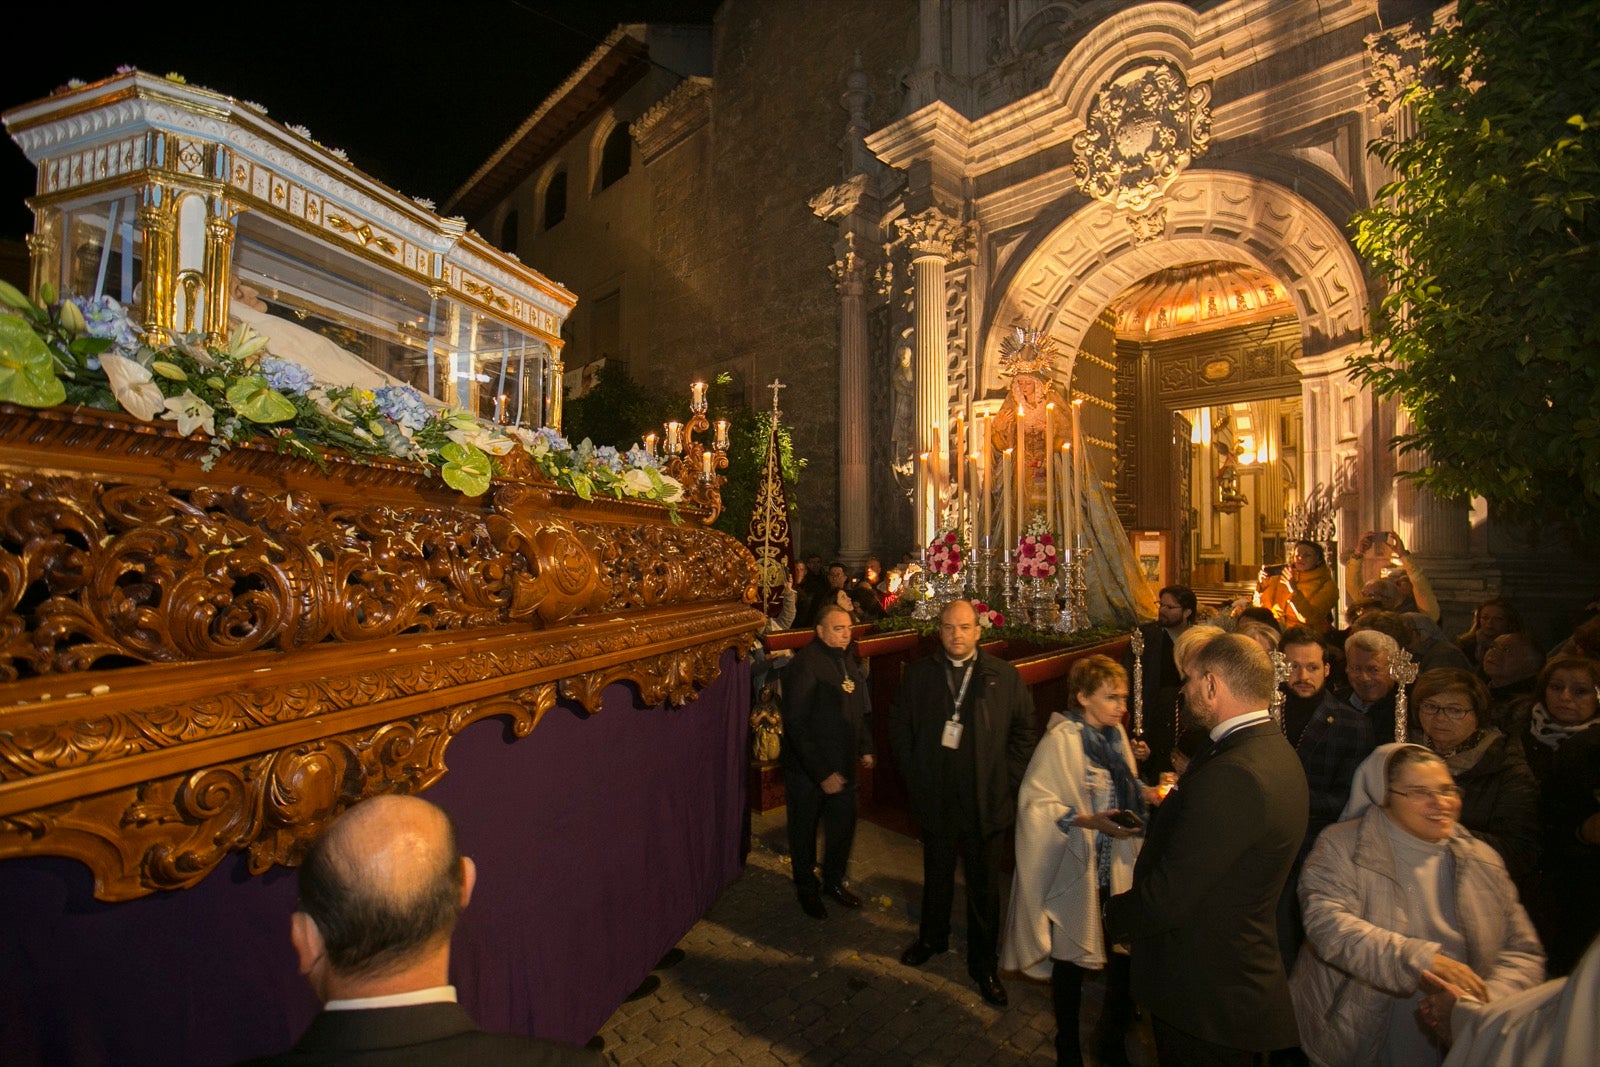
190, 413
484, 438
636, 482
132, 385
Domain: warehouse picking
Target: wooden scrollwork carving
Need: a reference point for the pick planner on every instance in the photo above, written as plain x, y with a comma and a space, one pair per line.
209, 662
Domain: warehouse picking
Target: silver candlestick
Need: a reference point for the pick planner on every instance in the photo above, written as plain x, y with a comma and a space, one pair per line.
1280, 675
1404, 672
1136, 644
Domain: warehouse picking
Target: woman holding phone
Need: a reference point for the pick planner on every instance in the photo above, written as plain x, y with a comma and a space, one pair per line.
1300, 592
1080, 821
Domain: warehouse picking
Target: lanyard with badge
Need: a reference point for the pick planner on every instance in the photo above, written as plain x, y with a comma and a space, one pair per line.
953, 726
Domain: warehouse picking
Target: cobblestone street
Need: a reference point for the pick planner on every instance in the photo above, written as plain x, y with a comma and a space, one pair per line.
761, 983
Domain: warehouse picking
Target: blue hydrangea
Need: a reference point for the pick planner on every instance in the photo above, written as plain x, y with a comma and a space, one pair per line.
287, 377
554, 440
638, 457
106, 318
403, 405
607, 456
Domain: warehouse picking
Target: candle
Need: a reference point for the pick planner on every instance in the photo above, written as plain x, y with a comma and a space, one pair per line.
986, 480
961, 478
1021, 469
697, 401
674, 438
722, 435
1080, 469
650, 443
1049, 455
1067, 517
705, 465
1007, 513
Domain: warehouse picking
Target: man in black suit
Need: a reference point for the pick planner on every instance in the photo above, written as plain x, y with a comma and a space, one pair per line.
1331, 738
825, 733
963, 733
1201, 916
1175, 609
380, 892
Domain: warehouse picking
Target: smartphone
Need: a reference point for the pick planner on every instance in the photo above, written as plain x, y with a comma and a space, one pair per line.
1274, 570
1380, 537
1127, 820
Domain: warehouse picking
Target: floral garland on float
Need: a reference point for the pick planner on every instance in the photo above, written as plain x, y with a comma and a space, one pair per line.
988, 618
92, 354
1036, 552
941, 580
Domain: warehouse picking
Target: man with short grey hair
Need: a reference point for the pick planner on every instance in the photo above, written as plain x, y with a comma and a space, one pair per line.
1201, 915
1368, 659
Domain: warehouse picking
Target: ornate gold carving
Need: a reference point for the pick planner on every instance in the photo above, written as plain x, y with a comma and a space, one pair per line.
486, 293
363, 233
221, 661
1143, 128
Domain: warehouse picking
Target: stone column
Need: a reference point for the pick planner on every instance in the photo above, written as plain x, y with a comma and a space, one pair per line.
855, 444
930, 236
1430, 526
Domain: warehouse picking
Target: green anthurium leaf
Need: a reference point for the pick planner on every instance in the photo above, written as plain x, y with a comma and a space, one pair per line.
466, 468
11, 296
257, 401
90, 346
582, 485
27, 373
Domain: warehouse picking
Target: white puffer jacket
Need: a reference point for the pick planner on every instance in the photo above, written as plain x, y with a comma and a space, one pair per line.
1355, 963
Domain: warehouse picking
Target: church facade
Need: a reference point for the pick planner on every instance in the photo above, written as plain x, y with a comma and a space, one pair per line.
865, 199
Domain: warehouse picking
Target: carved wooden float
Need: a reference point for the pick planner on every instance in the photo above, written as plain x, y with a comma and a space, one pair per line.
202, 662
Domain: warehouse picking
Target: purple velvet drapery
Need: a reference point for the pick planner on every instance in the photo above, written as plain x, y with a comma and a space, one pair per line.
600, 840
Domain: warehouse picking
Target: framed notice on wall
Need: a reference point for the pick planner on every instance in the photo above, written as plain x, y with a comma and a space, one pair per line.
1153, 548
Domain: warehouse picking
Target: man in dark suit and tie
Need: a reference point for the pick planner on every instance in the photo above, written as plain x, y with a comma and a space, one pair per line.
380, 892
1201, 916
963, 733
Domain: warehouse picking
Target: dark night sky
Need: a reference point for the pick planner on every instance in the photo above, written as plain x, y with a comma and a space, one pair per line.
418, 94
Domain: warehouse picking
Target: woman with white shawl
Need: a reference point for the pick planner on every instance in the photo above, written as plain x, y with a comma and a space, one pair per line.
1073, 853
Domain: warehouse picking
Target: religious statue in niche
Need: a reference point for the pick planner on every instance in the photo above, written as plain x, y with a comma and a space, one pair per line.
1230, 498
1026, 357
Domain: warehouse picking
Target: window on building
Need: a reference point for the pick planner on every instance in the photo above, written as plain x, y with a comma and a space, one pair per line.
555, 200
616, 157
508, 232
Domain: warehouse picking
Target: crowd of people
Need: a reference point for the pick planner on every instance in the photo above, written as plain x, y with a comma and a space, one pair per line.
1321, 859
1358, 865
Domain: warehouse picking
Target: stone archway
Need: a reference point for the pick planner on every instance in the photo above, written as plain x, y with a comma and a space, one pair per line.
1087, 260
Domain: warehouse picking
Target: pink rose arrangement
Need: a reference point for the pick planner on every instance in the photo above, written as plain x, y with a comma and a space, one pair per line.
1036, 555
944, 553
988, 618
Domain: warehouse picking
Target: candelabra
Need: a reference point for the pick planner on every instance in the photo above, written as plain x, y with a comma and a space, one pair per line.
1075, 603
691, 462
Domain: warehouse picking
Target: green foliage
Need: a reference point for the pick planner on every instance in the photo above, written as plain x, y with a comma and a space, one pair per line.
1489, 335
617, 411
747, 453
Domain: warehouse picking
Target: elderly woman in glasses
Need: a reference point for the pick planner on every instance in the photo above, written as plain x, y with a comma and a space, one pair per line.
1398, 900
1500, 797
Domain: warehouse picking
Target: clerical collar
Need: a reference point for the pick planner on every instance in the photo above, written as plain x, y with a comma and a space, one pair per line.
959, 663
